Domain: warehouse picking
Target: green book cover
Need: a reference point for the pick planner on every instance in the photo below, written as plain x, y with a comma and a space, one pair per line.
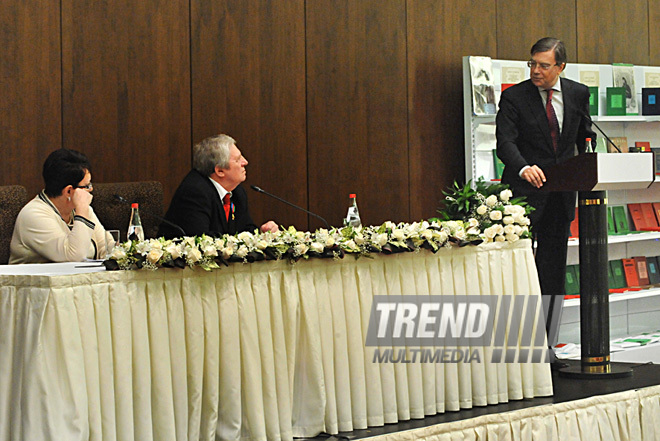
611, 229
611, 283
616, 101
617, 273
499, 165
572, 286
620, 220
654, 271
593, 101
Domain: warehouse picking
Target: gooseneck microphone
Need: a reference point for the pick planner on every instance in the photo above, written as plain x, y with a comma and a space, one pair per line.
586, 115
260, 190
160, 218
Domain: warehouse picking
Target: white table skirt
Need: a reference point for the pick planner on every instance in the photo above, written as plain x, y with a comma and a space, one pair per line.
260, 351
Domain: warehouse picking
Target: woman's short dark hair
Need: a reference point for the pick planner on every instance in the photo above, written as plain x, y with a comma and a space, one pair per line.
64, 167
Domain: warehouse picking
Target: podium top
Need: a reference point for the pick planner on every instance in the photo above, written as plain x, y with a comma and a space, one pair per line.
602, 171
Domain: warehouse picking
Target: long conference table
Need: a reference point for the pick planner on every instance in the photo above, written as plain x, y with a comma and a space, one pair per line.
262, 351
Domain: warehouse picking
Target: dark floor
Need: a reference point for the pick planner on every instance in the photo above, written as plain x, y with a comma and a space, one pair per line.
565, 389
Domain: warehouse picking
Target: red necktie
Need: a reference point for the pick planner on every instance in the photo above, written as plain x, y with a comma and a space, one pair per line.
552, 120
226, 203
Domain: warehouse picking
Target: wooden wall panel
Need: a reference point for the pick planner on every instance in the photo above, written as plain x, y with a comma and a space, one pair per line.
654, 32
356, 109
521, 23
30, 89
612, 31
439, 34
127, 88
248, 61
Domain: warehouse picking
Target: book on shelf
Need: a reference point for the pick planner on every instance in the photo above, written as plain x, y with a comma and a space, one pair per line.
650, 100
630, 271
644, 146
611, 229
483, 87
642, 271
593, 101
624, 77
499, 166
610, 277
656, 208
620, 220
572, 286
619, 141
637, 217
505, 86
616, 101
618, 274
654, 271
649, 217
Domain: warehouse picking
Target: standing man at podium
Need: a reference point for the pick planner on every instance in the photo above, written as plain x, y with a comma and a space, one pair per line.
542, 122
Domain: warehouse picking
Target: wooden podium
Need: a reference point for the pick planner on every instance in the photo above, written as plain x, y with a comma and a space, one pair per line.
591, 174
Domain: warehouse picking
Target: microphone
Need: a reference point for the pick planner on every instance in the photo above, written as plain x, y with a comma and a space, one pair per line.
160, 218
260, 190
586, 115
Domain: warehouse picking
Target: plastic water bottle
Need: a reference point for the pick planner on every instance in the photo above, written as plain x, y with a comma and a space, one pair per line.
135, 231
353, 215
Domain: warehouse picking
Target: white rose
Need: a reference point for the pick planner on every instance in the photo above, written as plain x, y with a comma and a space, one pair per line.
300, 249
473, 231
227, 252
509, 229
317, 247
490, 232
210, 250
390, 225
482, 209
242, 251
517, 229
510, 209
491, 200
505, 195
350, 244
359, 239
459, 234
499, 229
300, 235
194, 255
244, 236
499, 238
512, 237
472, 222
507, 220
441, 236
174, 250
118, 253
154, 255
262, 244
330, 242
427, 234
381, 239
496, 215
398, 234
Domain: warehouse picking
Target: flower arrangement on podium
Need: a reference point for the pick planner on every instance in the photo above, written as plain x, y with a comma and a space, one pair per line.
470, 216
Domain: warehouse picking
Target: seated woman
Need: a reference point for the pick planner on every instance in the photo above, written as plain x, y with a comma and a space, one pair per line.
58, 225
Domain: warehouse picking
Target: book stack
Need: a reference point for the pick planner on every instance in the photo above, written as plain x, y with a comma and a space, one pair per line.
645, 216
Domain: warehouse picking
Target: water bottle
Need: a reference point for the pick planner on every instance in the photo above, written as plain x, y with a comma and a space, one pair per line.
135, 231
353, 215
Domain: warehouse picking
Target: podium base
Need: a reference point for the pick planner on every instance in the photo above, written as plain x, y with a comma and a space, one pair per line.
615, 371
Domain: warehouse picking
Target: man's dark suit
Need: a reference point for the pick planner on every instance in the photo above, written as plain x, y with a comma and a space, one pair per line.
523, 138
197, 208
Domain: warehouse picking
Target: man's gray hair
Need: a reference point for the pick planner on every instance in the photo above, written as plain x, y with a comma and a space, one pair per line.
212, 152
550, 44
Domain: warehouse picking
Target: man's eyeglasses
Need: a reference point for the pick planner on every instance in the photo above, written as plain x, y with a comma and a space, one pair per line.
86, 187
545, 66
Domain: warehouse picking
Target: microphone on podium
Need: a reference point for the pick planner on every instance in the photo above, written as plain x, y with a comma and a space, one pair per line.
593, 143
260, 190
160, 218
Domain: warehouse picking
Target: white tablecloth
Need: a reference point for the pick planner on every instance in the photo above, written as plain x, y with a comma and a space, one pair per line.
267, 350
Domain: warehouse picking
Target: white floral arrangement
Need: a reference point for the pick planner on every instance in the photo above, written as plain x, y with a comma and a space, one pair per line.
479, 217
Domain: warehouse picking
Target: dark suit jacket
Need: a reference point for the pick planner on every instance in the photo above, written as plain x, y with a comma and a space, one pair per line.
197, 208
523, 137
